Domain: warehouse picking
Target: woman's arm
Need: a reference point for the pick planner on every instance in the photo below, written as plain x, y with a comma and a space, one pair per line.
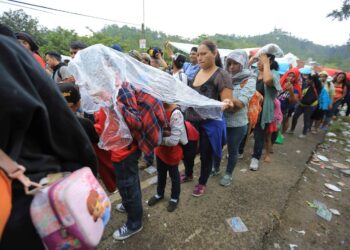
226, 97
267, 74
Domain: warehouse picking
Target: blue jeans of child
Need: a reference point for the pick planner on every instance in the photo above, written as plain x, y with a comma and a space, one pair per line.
128, 182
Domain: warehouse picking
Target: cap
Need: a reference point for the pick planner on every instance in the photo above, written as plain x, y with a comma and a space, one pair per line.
117, 47
305, 71
70, 92
323, 73
29, 39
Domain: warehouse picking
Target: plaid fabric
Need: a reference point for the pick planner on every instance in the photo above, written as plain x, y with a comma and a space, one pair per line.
144, 115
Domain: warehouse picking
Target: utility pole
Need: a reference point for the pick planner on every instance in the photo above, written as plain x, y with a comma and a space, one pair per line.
142, 41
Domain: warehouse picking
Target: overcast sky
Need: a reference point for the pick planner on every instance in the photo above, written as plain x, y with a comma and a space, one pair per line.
303, 18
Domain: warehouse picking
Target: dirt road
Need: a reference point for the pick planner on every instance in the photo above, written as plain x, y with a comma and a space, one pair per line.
268, 201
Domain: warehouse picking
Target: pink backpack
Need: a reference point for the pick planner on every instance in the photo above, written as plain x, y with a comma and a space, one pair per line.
71, 213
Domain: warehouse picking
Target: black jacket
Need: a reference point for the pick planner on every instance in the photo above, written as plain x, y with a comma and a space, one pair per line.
37, 129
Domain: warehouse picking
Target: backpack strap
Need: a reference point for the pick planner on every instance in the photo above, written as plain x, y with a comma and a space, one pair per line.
15, 171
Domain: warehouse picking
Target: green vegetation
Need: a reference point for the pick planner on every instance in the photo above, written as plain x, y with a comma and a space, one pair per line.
59, 39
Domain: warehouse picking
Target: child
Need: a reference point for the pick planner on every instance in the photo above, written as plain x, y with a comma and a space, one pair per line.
72, 95
168, 156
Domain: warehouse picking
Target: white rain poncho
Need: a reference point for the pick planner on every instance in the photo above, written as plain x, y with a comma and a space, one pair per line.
100, 71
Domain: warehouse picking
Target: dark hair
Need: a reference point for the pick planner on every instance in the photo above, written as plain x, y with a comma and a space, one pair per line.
218, 61
315, 78
210, 45
336, 77
179, 60
273, 64
195, 49
54, 54
77, 45
6, 31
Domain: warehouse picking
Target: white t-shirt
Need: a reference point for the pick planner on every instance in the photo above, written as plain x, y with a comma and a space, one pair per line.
181, 76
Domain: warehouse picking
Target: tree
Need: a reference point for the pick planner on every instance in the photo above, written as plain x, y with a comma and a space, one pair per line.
58, 40
343, 13
18, 20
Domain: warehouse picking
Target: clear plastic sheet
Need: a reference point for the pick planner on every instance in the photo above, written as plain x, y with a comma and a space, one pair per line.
116, 134
99, 71
272, 49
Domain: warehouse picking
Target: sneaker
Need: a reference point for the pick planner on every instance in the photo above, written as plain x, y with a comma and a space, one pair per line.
184, 178
123, 232
226, 180
198, 190
120, 208
301, 136
254, 164
215, 172
154, 200
240, 156
172, 205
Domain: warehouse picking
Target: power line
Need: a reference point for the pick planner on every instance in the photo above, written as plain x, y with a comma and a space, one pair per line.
73, 13
27, 7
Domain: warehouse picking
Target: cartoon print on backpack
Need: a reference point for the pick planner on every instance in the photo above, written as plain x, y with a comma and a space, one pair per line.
97, 206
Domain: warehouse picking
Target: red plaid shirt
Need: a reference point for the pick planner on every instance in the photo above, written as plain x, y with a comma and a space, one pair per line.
144, 115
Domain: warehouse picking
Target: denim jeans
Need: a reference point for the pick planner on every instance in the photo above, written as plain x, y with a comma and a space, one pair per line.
259, 140
242, 144
307, 110
235, 135
174, 174
128, 182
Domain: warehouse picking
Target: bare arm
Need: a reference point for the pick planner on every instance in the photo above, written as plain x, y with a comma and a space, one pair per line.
267, 75
168, 49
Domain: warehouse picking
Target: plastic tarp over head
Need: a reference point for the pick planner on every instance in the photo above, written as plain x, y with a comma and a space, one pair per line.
100, 71
272, 49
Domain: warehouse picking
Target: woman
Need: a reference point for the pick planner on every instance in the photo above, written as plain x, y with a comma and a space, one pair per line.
244, 82
28, 42
308, 104
268, 84
340, 91
212, 82
290, 96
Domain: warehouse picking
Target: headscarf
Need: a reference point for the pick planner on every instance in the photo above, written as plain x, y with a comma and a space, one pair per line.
241, 57
296, 84
38, 130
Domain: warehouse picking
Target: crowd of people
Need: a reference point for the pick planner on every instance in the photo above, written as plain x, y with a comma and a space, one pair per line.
46, 134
